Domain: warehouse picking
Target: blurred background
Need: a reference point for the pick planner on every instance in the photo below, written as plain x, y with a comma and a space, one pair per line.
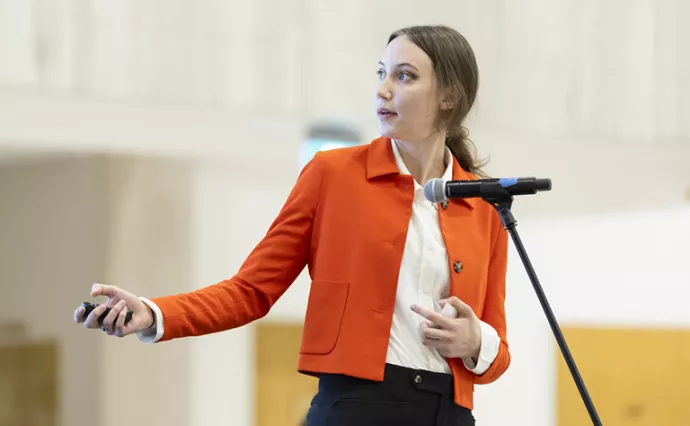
149, 145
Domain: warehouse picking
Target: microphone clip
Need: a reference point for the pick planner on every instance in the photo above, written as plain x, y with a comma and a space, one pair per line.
495, 194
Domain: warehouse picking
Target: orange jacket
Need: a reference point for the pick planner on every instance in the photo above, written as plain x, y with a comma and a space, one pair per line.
347, 219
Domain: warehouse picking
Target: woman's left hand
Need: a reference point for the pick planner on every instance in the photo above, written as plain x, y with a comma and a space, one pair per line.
459, 337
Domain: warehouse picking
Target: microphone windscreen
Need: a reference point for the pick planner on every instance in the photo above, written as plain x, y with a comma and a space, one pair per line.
433, 190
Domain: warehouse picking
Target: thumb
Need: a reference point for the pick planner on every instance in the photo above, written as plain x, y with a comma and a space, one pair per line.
463, 309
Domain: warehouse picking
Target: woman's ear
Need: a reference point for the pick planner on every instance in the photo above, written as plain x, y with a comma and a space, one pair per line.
447, 101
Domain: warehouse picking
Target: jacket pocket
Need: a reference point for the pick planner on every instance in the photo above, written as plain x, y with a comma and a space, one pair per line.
324, 316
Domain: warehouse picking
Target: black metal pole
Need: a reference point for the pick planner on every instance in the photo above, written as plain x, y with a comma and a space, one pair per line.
502, 201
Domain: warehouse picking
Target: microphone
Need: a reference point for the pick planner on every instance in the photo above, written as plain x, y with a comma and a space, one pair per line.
438, 190
499, 193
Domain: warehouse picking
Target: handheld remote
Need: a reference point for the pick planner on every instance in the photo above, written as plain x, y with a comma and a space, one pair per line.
90, 307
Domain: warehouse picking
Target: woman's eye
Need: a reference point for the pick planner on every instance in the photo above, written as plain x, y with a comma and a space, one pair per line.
381, 74
404, 76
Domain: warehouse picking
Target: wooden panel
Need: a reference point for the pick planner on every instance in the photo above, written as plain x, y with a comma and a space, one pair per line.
282, 394
635, 377
28, 384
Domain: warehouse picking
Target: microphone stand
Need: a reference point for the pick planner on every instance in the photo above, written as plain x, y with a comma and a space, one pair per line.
496, 195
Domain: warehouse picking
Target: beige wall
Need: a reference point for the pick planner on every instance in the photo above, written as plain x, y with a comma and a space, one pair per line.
54, 237
68, 223
150, 246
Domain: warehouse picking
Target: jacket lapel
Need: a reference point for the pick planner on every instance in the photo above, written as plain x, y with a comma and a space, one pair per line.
463, 240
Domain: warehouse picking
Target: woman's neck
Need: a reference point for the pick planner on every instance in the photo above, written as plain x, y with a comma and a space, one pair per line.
424, 159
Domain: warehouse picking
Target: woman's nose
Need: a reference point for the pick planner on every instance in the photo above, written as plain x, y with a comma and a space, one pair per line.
383, 91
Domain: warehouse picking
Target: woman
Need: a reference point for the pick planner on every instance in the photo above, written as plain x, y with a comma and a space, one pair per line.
382, 259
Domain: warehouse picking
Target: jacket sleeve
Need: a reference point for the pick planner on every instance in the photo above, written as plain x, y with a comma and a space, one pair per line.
265, 275
494, 305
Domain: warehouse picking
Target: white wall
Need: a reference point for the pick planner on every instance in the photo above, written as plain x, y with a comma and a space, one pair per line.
599, 270
612, 69
551, 72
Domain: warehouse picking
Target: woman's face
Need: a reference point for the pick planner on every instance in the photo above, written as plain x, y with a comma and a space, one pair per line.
407, 99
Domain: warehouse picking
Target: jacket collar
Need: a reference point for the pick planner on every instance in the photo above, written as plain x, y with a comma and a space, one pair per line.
381, 162
380, 159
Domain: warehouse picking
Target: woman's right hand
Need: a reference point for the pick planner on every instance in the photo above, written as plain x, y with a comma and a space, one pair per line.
120, 301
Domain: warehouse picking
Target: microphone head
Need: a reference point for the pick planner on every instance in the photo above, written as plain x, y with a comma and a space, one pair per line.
434, 190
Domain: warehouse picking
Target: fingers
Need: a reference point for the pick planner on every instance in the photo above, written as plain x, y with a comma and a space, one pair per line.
426, 323
92, 320
79, 314
462, 308
434, 337
433, 333
436, 344
432, 316
105, 290
108, 324
120, 330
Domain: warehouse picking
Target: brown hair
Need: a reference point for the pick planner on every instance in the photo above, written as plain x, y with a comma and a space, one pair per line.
456, 70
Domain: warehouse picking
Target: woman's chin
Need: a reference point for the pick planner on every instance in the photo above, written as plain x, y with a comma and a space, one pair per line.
390, 132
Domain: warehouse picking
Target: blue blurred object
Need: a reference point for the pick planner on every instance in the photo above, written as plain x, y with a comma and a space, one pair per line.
311, 146
326, 136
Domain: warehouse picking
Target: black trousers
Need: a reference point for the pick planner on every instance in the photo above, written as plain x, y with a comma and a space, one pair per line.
406, 397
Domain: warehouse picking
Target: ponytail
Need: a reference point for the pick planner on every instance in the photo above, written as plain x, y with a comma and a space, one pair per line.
463, 150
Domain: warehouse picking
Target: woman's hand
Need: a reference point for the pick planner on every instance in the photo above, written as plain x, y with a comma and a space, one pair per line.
459, 337
120, 301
